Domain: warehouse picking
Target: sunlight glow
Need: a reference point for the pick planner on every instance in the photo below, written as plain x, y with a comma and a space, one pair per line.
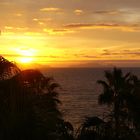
26, 54
25, 59
24, 51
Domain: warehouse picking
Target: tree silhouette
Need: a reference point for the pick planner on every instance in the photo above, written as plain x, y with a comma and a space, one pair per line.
7, 69
91, 129
118, 94
29, 106
133, 101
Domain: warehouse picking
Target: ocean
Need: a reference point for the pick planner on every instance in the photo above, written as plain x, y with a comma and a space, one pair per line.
79, 91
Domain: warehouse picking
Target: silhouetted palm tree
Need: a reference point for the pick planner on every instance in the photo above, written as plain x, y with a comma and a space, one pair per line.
44, 101
29, 105
91, 129
133, 101
116, 88
7, 69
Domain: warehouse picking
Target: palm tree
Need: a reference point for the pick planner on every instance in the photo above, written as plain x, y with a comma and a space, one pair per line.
133, 101
7, 69
115, 90
14, 103
90, 129
45, 100
29, 105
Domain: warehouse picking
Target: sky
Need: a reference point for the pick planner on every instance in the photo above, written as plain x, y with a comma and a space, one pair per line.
71, 33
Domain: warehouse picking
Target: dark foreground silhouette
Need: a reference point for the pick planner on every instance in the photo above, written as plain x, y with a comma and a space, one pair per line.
121, 93
29, 108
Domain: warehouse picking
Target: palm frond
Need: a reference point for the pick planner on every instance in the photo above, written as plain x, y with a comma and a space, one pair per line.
92, 121
110, 78
127, 75
53, 86
103, 83
106, 98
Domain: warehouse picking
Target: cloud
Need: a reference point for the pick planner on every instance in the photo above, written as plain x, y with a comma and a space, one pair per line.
57, 31
78, 12
18, 14
42, 21
82, 25
38, 56
108, 12
77, 25
7, 28
10, 55
82, 55
124, 27
133, 52
51, 9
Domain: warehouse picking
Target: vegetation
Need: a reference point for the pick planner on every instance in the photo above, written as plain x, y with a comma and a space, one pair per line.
29, 107
121, 93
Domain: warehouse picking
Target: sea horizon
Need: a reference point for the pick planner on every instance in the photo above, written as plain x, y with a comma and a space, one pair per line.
79, 90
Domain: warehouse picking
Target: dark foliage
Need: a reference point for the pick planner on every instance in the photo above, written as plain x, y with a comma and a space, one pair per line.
29, 106
121, 93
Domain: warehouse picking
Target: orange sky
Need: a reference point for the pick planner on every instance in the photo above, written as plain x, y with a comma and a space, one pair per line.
71, 33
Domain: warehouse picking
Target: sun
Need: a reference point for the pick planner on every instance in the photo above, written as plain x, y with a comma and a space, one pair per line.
25, 59
26, 55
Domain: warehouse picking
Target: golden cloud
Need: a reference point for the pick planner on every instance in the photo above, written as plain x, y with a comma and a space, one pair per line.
129, 52
123, 27
51, 9
108, 12
57, 31
78, 12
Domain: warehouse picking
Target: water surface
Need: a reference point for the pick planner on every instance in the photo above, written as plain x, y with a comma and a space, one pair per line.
80, 91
